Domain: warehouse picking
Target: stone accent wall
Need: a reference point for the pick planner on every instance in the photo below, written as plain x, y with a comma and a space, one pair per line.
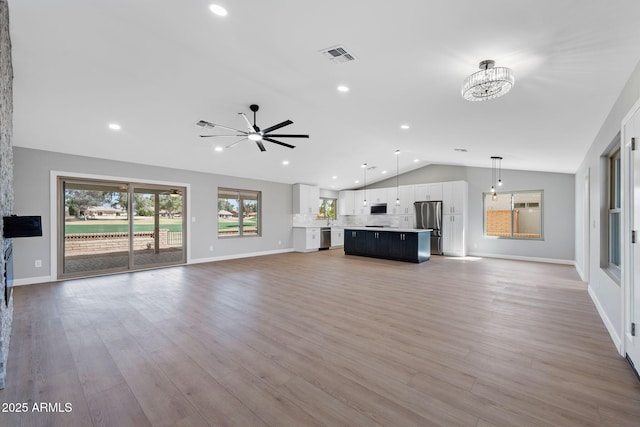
6, 173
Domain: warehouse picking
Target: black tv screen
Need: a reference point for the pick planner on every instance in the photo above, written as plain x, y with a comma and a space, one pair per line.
22, 226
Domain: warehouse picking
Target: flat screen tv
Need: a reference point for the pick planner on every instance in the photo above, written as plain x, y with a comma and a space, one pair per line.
22, 226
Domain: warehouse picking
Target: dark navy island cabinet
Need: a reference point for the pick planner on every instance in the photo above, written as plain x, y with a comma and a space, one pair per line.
411, 246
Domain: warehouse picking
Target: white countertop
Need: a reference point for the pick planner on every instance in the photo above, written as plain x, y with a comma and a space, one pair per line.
398, 230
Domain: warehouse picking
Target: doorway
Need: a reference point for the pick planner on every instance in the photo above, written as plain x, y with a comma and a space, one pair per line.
111, 226
631, 275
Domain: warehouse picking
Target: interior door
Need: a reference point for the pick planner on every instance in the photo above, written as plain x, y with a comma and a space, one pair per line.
632, 341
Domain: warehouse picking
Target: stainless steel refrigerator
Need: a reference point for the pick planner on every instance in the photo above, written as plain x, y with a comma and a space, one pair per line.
429, 215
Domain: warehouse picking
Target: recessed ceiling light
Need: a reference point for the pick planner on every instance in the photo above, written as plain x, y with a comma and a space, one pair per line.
334, 177
333, 186
356, 181
218, 10
218, 149
343, 89
285, 162
416, 160
384, 172
114, 126
404, 127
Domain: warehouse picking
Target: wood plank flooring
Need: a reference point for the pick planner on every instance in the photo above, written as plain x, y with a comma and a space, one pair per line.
319, 339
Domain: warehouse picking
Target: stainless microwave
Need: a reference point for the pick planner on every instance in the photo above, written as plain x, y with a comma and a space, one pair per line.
378, 208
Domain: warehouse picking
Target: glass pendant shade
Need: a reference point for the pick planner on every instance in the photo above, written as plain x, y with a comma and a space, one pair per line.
488, 83
496, 173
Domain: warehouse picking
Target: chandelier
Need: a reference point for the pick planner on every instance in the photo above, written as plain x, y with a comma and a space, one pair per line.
488, 83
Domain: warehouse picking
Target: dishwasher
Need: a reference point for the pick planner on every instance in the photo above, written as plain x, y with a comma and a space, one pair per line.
325, 237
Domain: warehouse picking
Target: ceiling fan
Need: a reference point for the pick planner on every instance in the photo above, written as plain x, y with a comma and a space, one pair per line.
254, 133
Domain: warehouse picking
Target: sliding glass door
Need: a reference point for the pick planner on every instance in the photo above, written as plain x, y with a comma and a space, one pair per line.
107, 227
157, 226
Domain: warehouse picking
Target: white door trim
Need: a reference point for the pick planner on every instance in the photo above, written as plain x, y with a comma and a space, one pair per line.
627, 217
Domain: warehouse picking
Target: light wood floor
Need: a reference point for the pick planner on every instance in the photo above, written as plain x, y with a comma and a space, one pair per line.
320, 339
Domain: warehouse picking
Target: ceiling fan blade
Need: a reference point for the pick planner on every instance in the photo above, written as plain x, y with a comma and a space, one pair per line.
261, 146
251, 127
222, 136
287, 136
278, 142
205, 124
235, 143
278, 126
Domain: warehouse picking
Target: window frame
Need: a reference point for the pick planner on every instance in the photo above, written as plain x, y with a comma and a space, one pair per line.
614, 203
242, 196
513, 208
323, 201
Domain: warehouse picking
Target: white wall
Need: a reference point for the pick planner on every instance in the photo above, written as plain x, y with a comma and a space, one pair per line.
604, 290
32, 197
558, 212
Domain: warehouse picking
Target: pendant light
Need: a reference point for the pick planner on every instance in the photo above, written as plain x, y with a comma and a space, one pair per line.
364, 166
496, 175
397, 173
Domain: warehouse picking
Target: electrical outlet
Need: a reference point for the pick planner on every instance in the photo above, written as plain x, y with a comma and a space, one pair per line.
38, 263
279, 242
193, 219
210, 248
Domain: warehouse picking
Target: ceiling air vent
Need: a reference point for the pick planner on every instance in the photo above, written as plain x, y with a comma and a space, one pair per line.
337, 54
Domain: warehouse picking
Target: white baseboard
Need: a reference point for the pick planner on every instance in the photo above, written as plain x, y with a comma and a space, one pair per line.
524, 258
579, 270
607, 322
237, 256
45, 279
33, 280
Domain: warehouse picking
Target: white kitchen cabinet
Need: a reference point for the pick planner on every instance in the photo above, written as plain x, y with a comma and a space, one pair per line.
337, 237
427, 192
306, 199
377, 195
454, 197
407, 197
358, 201
306, 239
453, 235
346, 203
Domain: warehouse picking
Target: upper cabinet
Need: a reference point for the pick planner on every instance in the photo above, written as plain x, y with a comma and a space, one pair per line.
454, 200
406, 195
306, 199
427, 192
358, 202
377, 195
346, 204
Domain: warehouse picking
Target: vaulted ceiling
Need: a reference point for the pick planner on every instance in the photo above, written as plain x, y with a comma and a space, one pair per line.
157, 67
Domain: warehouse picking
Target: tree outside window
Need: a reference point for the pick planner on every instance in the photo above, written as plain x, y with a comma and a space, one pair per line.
327, 209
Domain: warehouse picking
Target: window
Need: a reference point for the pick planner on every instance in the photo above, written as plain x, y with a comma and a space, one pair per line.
239, 213
514, 215
327, 209
615, 238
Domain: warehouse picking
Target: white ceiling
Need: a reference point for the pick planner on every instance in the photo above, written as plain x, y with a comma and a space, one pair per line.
157, 67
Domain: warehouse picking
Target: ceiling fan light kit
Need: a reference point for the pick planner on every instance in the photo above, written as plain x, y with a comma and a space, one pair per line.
254, 133
488, 83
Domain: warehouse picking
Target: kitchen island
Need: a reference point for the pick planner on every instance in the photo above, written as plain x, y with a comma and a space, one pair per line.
401, 244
